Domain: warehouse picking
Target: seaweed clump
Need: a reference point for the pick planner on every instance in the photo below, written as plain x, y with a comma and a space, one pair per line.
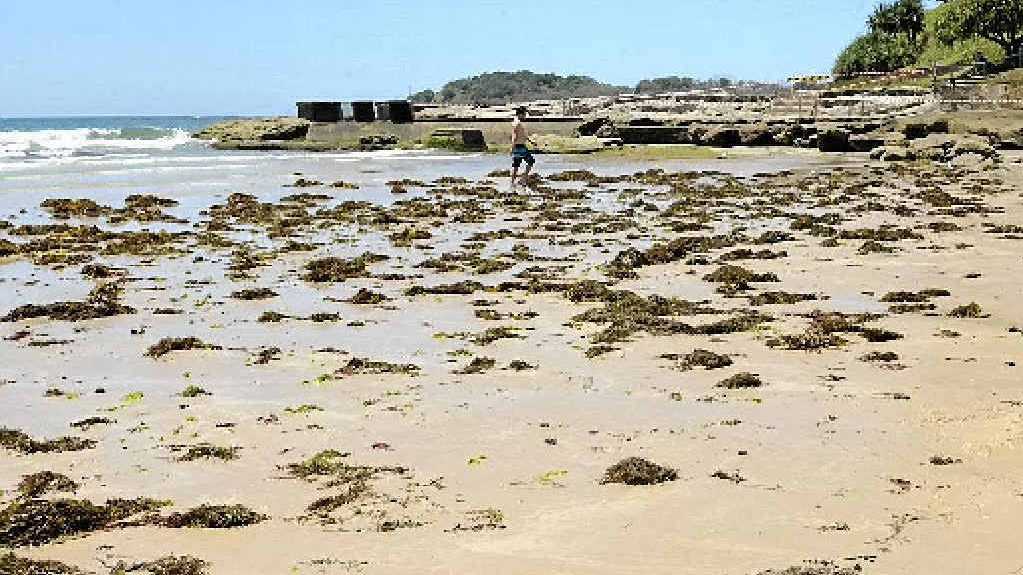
700, 358
478, 365
780, 298
815, 568
21, 442
625, 313
731, 274
741, 381
465, 287
194, 391
11, 564
103, 301
169, 344
821, 333
363, 366
624, 264
208, 451
39, 521
214, 517
66, 208
914, 297
37, 484
170, 565
970, 310
367, 297
334, 269
250, 294
638, 471
326, 462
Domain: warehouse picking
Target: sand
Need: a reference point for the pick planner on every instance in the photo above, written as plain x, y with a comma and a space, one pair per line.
902, 466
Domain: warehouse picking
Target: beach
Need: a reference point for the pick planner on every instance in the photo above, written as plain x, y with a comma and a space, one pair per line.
389, 362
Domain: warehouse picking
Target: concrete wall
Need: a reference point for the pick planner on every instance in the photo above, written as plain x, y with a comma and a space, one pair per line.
495, 133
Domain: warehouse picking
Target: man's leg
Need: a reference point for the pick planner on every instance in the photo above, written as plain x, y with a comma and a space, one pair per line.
529, 168
515, 168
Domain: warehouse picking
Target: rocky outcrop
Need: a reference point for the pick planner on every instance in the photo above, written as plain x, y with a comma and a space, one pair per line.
554, 144
375, 142
594, 127
788, 134
654, 134
721, 137
917, 130
953, 148
833, 140
264, 129
459, 140
891, 153
759, 135
865, 142
946, 147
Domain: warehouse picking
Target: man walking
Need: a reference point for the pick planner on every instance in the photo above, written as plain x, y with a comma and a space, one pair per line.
519, 151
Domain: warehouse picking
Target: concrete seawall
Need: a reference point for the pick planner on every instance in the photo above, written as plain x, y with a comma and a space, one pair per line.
494, 132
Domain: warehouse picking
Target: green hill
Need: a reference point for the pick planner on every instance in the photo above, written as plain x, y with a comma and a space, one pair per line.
504, 87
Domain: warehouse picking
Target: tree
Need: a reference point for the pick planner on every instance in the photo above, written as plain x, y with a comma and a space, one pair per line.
899, 17
893, 40
876, 53
665, 84
1000, 21
424, 97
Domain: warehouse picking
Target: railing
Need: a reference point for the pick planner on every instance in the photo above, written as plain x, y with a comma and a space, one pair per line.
972, 90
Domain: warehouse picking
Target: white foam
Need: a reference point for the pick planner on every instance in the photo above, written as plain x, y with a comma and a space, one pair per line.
45, 144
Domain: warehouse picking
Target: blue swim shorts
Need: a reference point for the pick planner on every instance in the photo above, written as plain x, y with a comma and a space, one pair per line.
520, 153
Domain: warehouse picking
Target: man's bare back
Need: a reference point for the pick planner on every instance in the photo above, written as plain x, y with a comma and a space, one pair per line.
519, 133
519, 151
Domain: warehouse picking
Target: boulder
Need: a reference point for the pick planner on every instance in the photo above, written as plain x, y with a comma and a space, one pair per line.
697, 133
262, 129
592, 126
833, 140
607, 131
654, 134
947, 147
892, 154
865, 142
642, 121
1010, 139
970, 144
759, 135
378, 142
722, 137
970, 160
932, 147
917, 130
895, 139
787, 134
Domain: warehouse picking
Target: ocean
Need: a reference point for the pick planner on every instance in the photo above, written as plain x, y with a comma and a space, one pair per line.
26, 141
109, 158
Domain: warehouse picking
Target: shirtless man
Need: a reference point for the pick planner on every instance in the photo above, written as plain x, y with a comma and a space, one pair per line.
519, 151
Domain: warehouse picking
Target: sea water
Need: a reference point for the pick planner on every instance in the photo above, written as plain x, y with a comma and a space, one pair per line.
108, 158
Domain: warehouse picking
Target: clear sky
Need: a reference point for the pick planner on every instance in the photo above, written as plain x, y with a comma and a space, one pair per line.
204, 57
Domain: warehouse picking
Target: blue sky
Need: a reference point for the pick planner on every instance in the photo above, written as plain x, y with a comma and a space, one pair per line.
75, 57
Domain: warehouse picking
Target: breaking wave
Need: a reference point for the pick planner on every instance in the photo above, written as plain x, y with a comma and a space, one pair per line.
41, 144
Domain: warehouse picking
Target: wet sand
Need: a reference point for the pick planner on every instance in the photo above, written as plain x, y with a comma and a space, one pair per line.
899, 463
